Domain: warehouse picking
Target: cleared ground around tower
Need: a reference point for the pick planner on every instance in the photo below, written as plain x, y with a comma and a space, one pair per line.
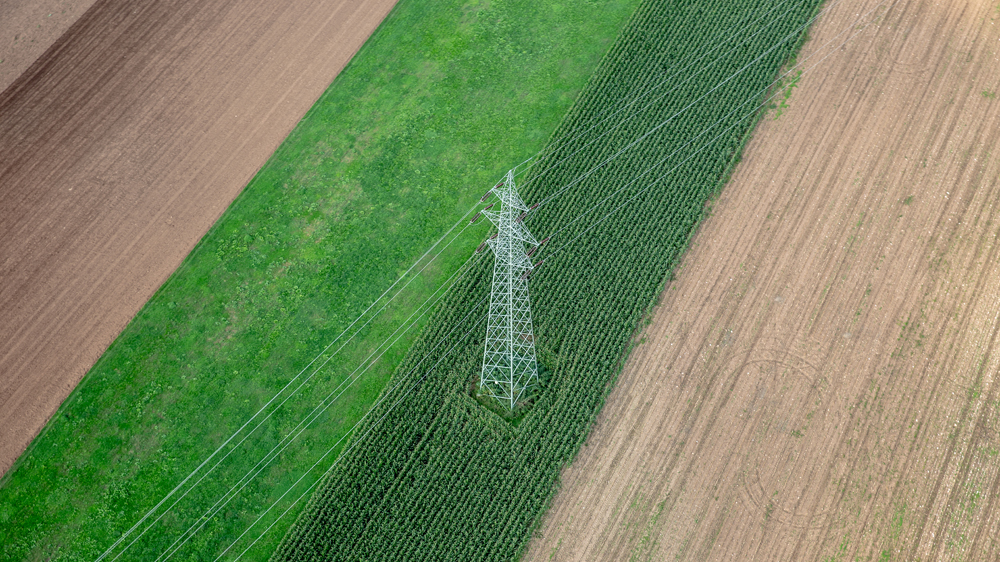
818, 383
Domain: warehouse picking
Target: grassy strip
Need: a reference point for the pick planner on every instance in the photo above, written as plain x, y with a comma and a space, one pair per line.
439, 476
441, 98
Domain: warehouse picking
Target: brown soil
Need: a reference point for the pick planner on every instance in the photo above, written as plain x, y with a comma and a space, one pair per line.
120, 147
818, 383
28, 28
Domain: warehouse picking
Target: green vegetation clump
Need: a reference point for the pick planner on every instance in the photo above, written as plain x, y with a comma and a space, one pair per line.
437, 103
432, 474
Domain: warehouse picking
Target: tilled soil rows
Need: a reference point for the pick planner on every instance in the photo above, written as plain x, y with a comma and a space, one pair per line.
120, 147
28, 28
818, 382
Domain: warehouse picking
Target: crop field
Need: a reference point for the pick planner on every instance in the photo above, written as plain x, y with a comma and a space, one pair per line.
394, 152
819, 381
432, 474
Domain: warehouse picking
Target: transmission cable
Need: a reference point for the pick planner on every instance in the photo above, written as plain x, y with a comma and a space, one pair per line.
359, 439
289, 396
290, 382
170, 494
552, 150
679, 112
410, 269
309, 419
709, 143
551, 255
659, 97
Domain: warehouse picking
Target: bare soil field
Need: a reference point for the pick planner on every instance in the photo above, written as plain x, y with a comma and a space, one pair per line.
28, 28
819, 381
119, 147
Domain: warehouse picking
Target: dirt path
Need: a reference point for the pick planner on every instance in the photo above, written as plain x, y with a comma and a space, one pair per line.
819, 381
120, 148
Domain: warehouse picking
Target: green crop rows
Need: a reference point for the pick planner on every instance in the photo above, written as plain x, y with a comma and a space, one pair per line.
434, 475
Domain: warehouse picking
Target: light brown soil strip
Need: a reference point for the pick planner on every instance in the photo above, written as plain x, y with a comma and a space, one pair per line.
818, 383
118, 150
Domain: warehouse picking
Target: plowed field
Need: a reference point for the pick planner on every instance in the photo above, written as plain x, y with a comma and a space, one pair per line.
120, 147
818, 383
28, 28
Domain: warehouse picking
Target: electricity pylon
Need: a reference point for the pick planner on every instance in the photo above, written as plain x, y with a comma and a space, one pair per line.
509, 366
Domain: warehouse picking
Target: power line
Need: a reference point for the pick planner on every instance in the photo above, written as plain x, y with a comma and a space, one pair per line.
156, 507
377, 300
354, 444
709, 143
716, 87
311, 417
225, 443
287, 385
480, 303
665, 80
792, 34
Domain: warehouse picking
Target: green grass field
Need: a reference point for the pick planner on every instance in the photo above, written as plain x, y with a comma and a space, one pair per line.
396, 150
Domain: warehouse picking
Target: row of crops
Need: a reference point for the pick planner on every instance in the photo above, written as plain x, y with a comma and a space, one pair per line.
434, 475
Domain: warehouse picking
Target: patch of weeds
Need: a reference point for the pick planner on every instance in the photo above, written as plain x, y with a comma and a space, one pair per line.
555, 549
897, 520
908, 200
841, 551
785, 87
989, 95
973, 502
974, 392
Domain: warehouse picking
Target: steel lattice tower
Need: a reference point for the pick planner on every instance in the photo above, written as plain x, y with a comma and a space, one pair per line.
509, 366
